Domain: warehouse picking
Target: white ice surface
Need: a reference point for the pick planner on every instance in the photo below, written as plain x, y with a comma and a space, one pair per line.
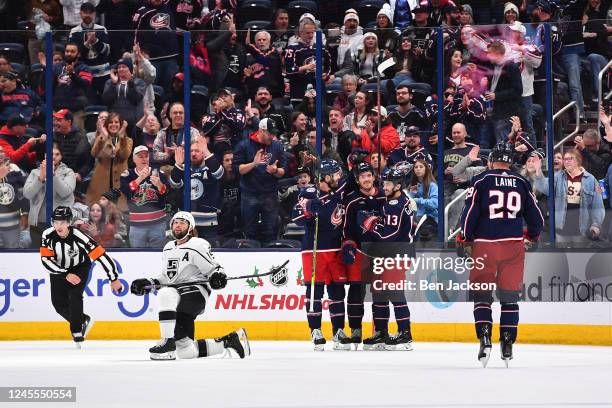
289, 374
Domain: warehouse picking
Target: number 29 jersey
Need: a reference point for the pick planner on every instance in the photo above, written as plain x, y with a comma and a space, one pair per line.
496, 205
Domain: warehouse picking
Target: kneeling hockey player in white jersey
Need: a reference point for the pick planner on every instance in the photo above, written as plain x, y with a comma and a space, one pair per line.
187, 259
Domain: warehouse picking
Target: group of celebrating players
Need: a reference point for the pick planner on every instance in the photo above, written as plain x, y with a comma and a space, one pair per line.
342, 217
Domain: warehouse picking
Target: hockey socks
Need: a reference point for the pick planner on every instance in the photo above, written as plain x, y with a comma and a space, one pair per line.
336, 294
380, 312
402, 316
508, 321
314, 317
354, 305
167, 322
483, 317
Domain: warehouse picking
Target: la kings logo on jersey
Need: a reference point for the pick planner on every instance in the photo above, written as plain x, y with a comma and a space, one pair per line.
280, 278
172, 268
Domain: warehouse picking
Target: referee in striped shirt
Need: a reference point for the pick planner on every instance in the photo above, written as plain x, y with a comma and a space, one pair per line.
67, 254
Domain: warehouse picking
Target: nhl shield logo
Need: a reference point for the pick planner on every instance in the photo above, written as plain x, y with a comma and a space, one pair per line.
279, 278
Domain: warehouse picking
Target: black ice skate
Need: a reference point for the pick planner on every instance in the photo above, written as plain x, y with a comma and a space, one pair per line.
356, 337
342, 341
318, 340
237, 341
78, 339
485, 346
401, 341
377, 341
88, 323
506, 347
165, 349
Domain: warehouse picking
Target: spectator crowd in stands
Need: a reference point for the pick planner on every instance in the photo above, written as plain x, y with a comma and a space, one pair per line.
118, 111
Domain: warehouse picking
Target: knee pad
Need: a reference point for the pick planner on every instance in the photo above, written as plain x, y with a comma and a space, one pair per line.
186, 348
336, 291
167, 299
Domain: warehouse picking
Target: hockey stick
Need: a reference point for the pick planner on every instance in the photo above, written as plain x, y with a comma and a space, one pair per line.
276, 271
420, 224
317, 174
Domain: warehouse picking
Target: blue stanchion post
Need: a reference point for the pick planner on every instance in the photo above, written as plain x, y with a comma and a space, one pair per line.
440, 92
319, 89
49, 125
550, 144
187, 128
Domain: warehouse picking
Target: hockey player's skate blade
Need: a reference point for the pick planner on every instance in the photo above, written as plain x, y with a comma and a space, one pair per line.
484, 360
319, 347
374, 347
87, 325
170, 355
399, 347
341, 341
506, 361
244, 340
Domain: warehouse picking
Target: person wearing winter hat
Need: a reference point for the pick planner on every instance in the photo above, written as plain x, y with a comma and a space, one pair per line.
306, 18
352, 36
387, 37
467, 15
511, 13
124, 93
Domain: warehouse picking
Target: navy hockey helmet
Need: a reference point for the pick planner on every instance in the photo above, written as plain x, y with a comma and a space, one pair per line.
396, 176
62, 213
502, 152
329, 167
362, 167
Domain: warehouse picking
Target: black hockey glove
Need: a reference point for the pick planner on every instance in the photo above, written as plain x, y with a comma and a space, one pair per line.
349, 249
140, 287
217, 280
464, 248
313, 205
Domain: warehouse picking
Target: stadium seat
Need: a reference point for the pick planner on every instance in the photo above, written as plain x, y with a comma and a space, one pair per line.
372, 87
283, 243
20, 70
367, 10
257, 25
298, 7
91, 116
331, 91
15, 52
241, 243
199, 101
159, 93
253, 10
420, 92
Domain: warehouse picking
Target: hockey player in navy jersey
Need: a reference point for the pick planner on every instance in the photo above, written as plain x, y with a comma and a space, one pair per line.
492, 222
365, 198
330, 271
394, 225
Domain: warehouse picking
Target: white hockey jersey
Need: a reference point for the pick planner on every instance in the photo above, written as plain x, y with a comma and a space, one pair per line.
189, 262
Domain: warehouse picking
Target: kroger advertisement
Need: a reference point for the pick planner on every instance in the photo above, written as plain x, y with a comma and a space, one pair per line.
25, 292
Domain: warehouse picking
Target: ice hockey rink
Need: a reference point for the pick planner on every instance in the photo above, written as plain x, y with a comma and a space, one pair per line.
290, 374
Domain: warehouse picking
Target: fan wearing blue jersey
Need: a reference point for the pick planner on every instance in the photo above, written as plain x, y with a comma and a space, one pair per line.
492, 221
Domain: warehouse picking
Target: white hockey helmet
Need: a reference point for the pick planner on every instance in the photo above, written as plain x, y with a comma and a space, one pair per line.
185, 216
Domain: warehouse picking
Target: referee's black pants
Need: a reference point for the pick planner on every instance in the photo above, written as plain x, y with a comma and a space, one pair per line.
67, 298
